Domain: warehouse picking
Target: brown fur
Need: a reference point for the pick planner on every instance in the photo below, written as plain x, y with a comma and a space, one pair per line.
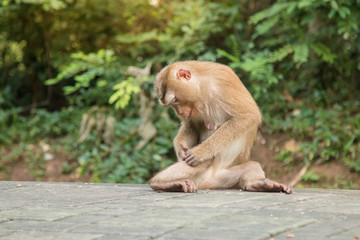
220, 120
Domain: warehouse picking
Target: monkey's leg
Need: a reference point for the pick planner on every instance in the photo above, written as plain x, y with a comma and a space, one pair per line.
178, 177
182, 185
247, 176
253, 179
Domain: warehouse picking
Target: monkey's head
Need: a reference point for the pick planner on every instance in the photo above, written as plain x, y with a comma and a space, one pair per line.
178, 88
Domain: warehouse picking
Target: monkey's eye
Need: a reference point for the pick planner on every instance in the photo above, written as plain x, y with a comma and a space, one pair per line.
174, 100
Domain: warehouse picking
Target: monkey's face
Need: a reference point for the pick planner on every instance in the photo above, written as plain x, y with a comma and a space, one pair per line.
177, 91
183, 108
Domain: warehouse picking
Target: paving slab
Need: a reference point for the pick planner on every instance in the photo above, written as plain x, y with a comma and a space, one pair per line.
43, 210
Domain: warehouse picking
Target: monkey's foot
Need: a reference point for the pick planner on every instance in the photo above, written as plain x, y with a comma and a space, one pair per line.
267, 185
183, 185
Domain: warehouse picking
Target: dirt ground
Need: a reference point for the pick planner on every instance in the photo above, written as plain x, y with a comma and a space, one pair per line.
19, 171
334, 174
331, 175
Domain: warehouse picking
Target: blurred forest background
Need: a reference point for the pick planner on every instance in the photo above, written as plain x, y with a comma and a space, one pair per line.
76, 84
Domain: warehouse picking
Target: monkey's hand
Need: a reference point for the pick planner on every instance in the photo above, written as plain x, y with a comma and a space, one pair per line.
181, 154
194, 157
191, 159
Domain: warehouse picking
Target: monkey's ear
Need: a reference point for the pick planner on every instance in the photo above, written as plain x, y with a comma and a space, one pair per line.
183, 74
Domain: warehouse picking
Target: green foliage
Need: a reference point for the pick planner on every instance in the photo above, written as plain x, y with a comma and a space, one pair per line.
290, 50
343, 184
301, 54
46, 5
324, 52
326, 134
94, 74
124, 90
310, 177
290, 35
190, 25
25, 135
119, 162
87, 67
259, 68
299, 59
35, 163
66, 168
17, 128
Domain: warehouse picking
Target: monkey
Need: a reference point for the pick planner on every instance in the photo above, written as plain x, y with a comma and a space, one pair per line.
219, 124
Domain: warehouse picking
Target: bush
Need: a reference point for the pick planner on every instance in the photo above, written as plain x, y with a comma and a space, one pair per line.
299, 59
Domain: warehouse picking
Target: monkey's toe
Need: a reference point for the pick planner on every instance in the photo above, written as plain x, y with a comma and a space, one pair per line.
287, 189
187, 186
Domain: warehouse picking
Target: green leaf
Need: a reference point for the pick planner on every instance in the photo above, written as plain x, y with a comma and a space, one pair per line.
281, 53
124, 90
227, 55
52, 81
334, 5
70, 89
306, 3
102, 82
138, 38
301, 53
324, 52
265, 26
269, 12
310, 177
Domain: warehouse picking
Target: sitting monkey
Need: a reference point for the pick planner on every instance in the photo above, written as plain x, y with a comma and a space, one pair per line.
219, 123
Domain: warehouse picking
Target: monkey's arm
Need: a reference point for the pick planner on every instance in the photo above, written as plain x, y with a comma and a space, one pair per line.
186, 138
234, 129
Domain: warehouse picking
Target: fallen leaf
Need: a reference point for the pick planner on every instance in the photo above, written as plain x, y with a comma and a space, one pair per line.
19, 185
288, 96
49, 156
44, 146
291, 145
290, 235
296, 112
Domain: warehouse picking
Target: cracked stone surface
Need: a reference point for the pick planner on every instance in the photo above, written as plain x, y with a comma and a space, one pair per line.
40, 210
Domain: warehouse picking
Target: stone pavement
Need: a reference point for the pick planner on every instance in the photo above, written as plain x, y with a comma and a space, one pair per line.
39, 210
